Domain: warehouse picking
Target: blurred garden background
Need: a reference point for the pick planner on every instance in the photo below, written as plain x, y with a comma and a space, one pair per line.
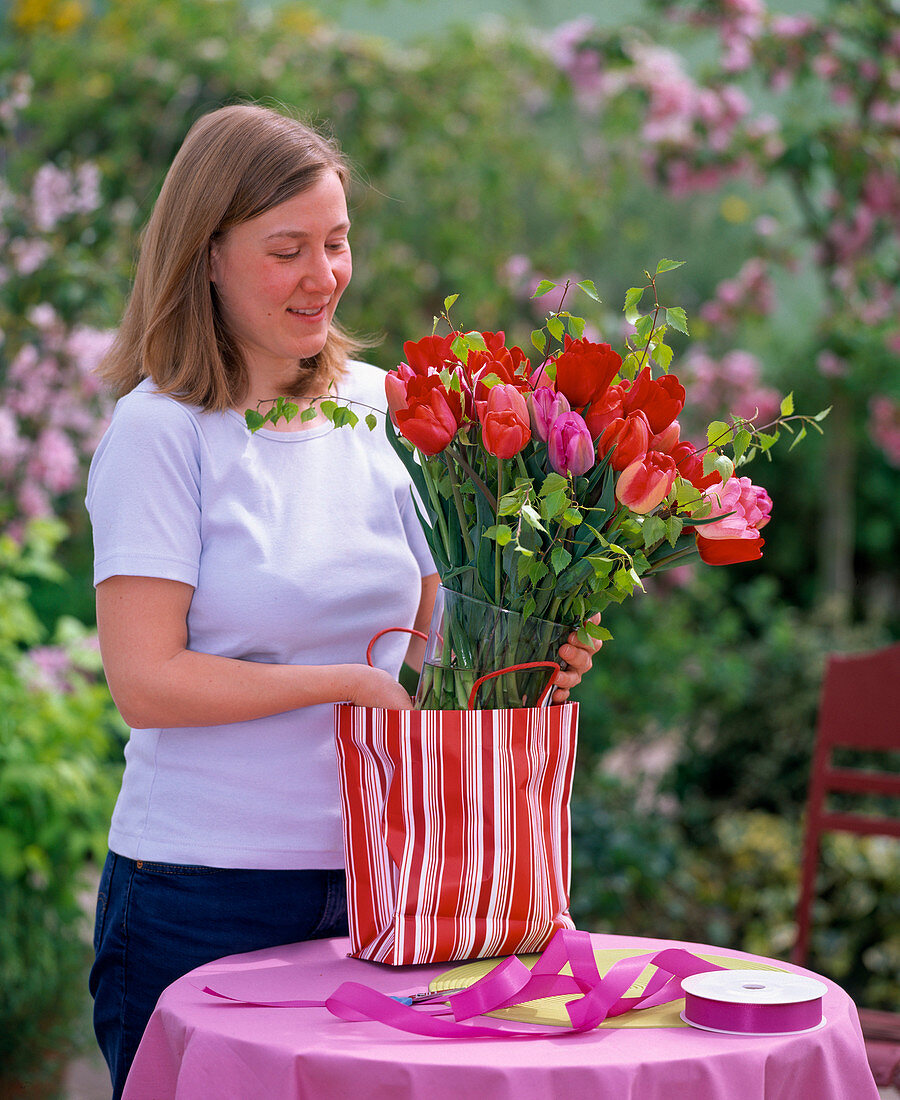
761, 146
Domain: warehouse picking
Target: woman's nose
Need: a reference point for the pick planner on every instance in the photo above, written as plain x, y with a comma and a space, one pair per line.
319, 275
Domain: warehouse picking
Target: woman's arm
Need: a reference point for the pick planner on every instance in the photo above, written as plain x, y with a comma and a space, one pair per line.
415, 654
157, 682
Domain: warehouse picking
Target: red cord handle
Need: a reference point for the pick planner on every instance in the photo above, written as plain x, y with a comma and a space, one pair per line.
389, 630
515, 668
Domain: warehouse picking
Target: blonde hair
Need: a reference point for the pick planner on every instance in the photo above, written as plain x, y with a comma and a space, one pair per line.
235, 164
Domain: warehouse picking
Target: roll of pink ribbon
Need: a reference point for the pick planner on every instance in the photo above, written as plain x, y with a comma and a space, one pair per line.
751, 1002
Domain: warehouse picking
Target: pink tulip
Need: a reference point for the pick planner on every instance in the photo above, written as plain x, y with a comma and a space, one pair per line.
570, 447
545, 405
646, 482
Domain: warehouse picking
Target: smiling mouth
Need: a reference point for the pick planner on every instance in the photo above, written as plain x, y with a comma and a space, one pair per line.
308, 312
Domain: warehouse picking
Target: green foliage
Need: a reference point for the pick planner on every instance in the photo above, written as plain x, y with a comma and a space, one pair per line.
57, 785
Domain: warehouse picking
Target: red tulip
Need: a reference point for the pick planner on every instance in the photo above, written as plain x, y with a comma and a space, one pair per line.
666, 440
690, 466
432, 415
502, 364
646, 482
729, 551
395, 383
659, 399
604, 411
504, 421
584, 370
431, 353
628, 439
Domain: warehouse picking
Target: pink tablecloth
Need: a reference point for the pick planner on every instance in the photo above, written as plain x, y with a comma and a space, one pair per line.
196, 1047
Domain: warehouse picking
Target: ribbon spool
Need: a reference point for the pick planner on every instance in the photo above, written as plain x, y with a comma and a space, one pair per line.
748, 1002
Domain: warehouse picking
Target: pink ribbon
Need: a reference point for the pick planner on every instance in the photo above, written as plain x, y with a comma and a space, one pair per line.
595, 999
752, 1019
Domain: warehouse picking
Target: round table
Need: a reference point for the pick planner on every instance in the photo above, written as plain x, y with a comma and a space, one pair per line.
197, 1046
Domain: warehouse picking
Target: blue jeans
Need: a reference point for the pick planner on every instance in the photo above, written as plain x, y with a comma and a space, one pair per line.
157, 921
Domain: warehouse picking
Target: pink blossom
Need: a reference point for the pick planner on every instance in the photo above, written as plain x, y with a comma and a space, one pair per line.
749, 505
884, 427
48, 668
53, 461
830, 365
28, 255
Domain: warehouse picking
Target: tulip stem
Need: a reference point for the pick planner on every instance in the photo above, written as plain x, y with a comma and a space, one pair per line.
476, 480
437, 506
460, 510
499, 553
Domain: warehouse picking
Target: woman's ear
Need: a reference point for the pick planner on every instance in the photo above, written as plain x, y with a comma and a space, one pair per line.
214, 261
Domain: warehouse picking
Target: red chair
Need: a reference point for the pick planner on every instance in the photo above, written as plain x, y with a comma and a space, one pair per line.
859, 709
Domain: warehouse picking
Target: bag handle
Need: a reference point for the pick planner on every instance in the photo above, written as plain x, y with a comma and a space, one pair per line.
390, 630
516, 668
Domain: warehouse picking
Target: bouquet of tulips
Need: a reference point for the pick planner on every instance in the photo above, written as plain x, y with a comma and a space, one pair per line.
549, 491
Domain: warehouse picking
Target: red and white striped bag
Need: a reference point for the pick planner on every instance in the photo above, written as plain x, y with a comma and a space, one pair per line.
456, 830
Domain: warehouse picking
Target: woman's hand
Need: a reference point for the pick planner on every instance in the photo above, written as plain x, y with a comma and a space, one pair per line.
373, 687
578, 657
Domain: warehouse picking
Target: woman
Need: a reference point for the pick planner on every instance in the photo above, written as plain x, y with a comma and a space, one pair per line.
239, 577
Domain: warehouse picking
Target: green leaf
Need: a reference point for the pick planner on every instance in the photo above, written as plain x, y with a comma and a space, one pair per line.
554, 504
449, 300
371, 421
556, 328
575, 326
674, 527
255, 420
718, 434
669, 265
724, 467
742, 440
644, 328
590, 290
633, 298
543, 287
800, 435
539, 339
595, 630
531, 517
787, 405
821, 415
677, 318
767, 442
653, 529
663, 355
500, 533
572, 517
308, 414
553, 483
343, 415
559, 559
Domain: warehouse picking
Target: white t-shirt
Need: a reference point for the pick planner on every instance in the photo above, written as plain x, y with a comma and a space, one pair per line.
300, 547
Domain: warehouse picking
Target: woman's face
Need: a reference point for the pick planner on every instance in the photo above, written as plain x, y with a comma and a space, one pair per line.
280, 276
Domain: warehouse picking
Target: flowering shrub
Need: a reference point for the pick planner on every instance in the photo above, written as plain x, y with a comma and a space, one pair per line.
830, 132
51, 411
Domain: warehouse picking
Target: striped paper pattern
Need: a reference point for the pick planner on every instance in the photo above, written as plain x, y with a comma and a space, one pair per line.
456, 830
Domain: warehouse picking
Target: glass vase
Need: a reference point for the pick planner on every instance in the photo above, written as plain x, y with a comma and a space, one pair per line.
470, 638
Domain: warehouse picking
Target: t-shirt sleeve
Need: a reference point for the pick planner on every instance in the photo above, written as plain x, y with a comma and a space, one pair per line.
143, 492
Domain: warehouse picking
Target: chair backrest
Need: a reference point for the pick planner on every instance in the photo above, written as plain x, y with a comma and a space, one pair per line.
859, 709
